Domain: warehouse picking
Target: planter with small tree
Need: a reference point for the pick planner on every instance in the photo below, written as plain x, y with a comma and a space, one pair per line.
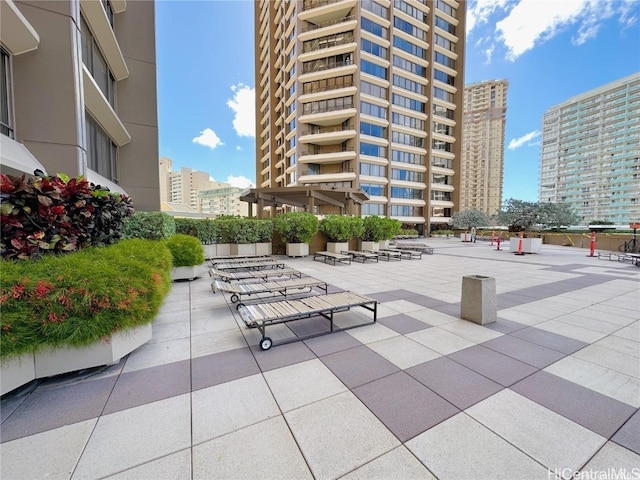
339, 229
297, 230
264, 229
372, 233
187, 254
391, 227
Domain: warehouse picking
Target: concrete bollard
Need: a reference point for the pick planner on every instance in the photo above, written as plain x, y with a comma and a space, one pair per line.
478, 303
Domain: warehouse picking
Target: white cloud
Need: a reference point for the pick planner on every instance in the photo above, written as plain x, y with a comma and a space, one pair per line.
243, 104
518, 142
208, 138
240, 181
238, 148
521, 25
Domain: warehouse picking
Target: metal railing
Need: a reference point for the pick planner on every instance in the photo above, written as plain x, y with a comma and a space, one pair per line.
313, 26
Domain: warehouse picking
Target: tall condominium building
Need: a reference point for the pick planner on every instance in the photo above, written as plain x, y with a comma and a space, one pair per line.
186, 184
363, 94
223, 199
591, 153
78, 92
485, 108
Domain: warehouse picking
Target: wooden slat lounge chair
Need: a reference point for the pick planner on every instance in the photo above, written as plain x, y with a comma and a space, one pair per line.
386, 254
361, 256
239, 258
249, 265
262, 275
262, 314
406, 254
275, 287
330, 257
423, 247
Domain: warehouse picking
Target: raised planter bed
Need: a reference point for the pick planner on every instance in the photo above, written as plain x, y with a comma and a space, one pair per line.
15, 372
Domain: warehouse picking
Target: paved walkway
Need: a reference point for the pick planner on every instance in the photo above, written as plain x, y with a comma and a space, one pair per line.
551, 388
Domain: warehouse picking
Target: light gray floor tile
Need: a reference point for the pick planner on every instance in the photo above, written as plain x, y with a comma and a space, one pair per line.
461, 448
176, 466
432, 317
216, 342
170, 331
207, 324
265, 450
549, 438
303, 383
603, 380
620, 362
403, 306
51, 454
440, 341
598, 325
135, 436
403, 352
372, 333
338, 434
622, 345
525, 318
631, 332
473, 332
154, 354
571, 331
398, 464
229, 406
613, 458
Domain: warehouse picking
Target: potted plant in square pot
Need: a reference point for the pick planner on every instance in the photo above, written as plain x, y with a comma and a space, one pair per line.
297, 229
339, 229
391, 228
187, 254
264, 229
244, 236
372, 233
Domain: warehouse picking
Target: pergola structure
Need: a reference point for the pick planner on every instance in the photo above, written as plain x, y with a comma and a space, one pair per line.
347, 200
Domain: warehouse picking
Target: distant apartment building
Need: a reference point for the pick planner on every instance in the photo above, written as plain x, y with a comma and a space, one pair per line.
362, 94
481, 168
192, 191
78, 93
223, 199
591, 153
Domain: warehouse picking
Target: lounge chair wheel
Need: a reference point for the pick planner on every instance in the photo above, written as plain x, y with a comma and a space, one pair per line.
265, 343
239, 305
234, 298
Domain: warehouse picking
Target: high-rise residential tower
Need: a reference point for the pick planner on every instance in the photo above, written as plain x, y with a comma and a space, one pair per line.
362, 94
78, 92
591, 153
481, 168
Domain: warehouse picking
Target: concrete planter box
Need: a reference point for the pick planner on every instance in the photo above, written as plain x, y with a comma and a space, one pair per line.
264, 248
297, 249
243, 249
210, 250
478, 303
48, 362
185, 273
383, 244
529, 245
371, 246
465, 237
337, 247
223, 249
15, 372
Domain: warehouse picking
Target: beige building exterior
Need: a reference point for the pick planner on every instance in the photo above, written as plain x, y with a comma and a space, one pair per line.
78, 92
482, 166
363, 94
223, 199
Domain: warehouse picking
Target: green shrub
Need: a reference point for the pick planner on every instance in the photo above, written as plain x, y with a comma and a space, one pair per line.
187, 226
149, 225
186, 250
373, 229
391, 228
207, 230
296, 227
80, 298
265, 230
56, 214
408, 232
341, 228
441, 233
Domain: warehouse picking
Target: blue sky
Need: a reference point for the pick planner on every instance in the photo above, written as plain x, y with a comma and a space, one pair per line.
548, 50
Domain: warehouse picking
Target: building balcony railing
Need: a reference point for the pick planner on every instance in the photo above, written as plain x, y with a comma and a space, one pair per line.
315, 172
318, 66
311, 88
313, 26
319, 151
308, 108
324, 43
309, 4
321, 130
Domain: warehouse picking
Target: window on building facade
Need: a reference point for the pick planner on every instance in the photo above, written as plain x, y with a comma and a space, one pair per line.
444, 112
96, 64
407, 157
372, 89
5, 95
373, 170
406, 211
373, 110
373, 69
375, 8
374, 49
407, 193
409, 28
109, 11
372, 209
102, 153
412, 67
409, 47
373, 189
410, 10
408, 121
374, 28
407, 175
405, 83
372, 150
373, 130
410, 103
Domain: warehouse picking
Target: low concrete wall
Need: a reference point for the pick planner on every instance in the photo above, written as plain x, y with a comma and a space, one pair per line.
604, 241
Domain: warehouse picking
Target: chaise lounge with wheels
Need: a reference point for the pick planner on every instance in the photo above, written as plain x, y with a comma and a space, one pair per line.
262, 275
262, 314
276, 287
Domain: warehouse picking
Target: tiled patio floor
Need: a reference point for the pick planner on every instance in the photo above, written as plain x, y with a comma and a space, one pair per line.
550, 389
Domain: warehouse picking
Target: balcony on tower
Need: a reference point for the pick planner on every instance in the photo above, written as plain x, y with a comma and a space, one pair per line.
322, 12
